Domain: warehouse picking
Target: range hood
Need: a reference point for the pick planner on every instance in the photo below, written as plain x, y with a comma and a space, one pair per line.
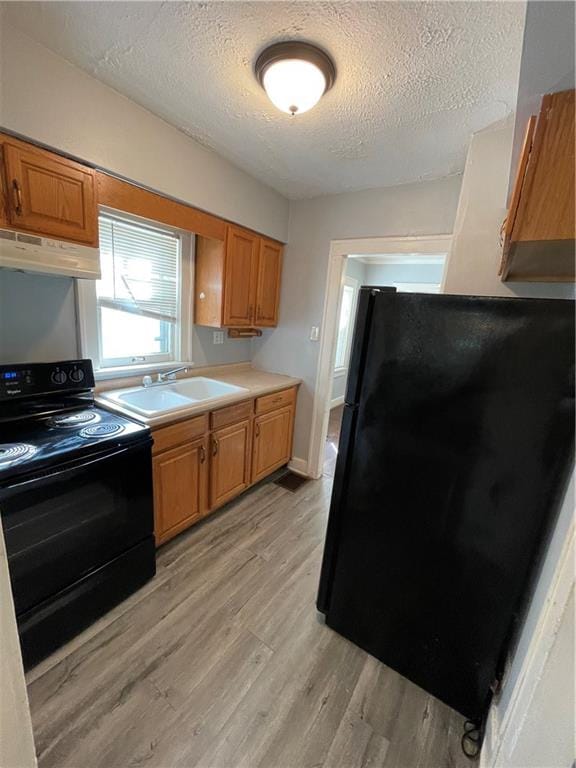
31, 253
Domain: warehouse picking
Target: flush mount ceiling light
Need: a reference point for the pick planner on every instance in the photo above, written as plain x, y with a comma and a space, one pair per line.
295, 75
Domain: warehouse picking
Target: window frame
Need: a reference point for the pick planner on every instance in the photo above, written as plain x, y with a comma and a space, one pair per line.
89, 326
350, 282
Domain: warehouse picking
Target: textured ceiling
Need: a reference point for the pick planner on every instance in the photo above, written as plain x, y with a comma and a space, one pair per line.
414, 79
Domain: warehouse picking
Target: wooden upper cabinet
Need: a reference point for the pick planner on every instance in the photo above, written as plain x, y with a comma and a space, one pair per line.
50, 195
268, 283
240, 276
229, 462
237, 282
540, 231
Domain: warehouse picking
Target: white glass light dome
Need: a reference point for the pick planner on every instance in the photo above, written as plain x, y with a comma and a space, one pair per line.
294, 85
295, 75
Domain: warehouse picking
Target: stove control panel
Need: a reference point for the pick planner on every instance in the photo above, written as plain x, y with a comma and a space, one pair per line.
30, 379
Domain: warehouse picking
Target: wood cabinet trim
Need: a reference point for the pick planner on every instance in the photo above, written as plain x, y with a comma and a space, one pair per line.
129, 198
517, 191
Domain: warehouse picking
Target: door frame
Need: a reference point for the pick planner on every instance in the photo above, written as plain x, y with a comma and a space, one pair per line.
430, 245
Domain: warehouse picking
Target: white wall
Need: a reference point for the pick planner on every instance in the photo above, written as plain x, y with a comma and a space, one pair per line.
45, 98
388, 274
531, 724
16, 738
413, 209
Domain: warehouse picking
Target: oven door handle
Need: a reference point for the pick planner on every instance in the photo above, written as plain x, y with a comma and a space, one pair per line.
41, 479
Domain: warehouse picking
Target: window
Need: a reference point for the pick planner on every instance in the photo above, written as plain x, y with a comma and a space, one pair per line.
133, 315
346, 324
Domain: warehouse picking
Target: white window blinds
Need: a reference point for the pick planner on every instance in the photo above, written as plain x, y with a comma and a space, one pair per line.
140, 267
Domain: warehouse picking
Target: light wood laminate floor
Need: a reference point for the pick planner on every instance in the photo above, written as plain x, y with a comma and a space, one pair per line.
222, 660
332, 440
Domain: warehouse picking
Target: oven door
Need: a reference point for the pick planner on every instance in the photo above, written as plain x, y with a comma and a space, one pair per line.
65, 523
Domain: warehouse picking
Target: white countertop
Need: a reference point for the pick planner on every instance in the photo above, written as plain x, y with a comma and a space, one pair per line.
256, 383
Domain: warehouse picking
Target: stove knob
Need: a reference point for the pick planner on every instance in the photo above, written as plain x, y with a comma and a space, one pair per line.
58, 377
77, 375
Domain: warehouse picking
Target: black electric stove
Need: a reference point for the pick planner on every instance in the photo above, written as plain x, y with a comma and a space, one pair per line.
32, 444
75, 502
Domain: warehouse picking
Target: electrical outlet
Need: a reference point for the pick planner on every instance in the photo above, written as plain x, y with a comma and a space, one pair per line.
218, 337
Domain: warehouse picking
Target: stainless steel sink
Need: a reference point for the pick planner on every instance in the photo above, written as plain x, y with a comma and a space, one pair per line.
171, 396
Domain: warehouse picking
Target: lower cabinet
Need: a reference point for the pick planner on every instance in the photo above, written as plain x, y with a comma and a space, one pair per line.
229, 463
272, 442
202, 463
180, 488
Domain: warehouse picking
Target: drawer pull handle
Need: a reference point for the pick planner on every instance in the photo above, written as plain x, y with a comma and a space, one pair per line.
17, 197
202, 454
214, 447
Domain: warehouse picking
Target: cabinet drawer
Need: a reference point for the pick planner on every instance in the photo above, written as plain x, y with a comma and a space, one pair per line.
176, 434
231, 414
276, 400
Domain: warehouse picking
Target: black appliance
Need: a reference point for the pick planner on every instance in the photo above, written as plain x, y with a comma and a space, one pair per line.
455, 446
75, 502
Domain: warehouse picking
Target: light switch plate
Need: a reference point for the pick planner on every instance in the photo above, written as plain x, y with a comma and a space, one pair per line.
314, 333
218, 337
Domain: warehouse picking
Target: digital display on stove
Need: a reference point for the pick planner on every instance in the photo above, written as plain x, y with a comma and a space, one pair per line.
10, 375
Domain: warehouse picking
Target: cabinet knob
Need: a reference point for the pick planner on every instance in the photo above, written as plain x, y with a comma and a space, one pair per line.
202, 454
214, 447
257, 430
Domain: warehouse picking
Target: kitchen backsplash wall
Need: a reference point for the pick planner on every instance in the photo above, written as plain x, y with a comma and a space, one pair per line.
37, 318
38, 324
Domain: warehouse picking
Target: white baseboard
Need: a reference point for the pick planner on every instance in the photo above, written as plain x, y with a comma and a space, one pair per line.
336, 402
299, 466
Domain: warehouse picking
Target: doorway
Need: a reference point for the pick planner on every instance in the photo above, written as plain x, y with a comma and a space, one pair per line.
413, 265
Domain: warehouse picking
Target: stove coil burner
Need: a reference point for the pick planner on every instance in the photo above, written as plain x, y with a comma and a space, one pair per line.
73, 419
10, 452
101, 430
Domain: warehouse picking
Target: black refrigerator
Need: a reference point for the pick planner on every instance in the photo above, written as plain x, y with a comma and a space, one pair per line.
455, 447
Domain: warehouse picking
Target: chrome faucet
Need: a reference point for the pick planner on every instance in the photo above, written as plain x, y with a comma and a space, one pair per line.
163, 376
168, 375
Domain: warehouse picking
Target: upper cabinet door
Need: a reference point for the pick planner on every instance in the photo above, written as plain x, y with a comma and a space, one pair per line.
240, 273
50, 195
268, 285
540, 230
